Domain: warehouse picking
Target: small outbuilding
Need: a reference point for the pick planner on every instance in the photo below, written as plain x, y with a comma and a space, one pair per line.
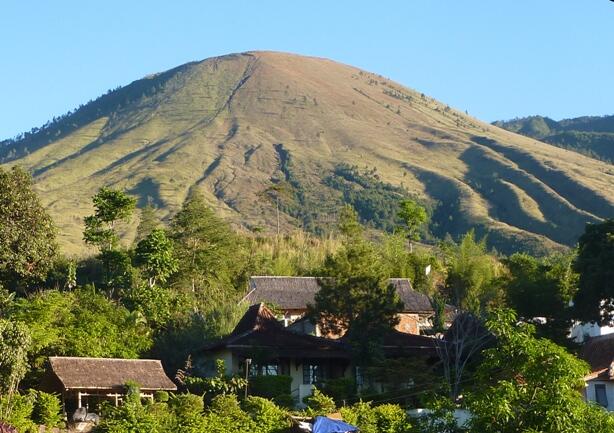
83, 382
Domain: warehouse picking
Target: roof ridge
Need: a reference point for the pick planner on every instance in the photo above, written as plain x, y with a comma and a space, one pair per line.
286, 276
105, 359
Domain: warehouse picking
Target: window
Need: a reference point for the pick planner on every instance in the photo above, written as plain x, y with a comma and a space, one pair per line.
314, 372
601, 396
264, 370
360, 379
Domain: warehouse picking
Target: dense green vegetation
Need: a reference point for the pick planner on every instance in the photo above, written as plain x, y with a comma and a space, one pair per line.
590, 135
179, 286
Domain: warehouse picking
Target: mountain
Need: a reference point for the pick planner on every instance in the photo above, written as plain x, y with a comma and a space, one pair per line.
590, 135
257, 130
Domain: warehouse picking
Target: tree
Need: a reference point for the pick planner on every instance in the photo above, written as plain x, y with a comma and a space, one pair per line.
529, 384
543, 288
14, 345
78, 323
111, 207
211, 253
154, 254
348, 222
148, 222
594, 300
459, 351
27, 234
422, 267
356, 297
474, 276
414, 217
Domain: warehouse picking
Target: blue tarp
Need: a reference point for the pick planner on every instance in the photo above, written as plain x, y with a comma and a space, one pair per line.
327, 425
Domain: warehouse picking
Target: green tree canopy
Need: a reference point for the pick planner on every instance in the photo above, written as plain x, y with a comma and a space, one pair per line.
543, 288
413, 216
212, 255
111, 206
348, 222
27, 235
15, 342
154, 255
474, 276
594, 300
148, 221
79, 323
530, 384
356, 297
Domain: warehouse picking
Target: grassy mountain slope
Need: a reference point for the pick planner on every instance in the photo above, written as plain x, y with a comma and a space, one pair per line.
590, 135
250, 129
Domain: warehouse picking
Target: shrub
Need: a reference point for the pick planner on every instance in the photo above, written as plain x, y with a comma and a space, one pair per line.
47, 410
188, 413
19, 408
187, 406
319, 404
269, 418
161, 396
270, 386
362, 416
285, 401
225, 416
220, 384
391, 418
339, 389
387, 418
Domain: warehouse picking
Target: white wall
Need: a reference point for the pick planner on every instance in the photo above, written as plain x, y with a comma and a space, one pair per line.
580, 331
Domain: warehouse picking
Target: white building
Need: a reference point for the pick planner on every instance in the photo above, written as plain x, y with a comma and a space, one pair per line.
581, 332
599, 353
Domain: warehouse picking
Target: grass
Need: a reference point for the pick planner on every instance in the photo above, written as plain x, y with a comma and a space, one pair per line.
214, 126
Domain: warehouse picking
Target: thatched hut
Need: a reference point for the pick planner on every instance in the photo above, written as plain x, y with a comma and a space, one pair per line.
82, 381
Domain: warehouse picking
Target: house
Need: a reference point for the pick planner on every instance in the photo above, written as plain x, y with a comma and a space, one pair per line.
274, 349
292, 295
580, 332
83, 382
598, 352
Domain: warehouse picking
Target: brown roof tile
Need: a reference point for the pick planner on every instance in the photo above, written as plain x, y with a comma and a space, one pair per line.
599, 352
295, 293
109, 373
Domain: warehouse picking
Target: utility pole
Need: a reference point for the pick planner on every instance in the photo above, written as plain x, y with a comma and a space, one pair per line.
248, 361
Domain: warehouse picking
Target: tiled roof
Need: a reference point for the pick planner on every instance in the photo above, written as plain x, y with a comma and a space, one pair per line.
109, 373
259, 331
295, 293
599, 352
289, 293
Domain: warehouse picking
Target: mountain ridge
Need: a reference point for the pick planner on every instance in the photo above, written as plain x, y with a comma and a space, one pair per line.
592, 136
251, 130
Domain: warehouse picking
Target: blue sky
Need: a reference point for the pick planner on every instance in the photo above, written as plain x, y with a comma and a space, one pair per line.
496, 59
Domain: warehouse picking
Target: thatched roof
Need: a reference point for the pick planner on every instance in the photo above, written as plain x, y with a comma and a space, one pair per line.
295, 293
109, 373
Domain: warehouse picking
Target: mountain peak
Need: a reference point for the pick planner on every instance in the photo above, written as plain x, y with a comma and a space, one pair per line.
249, 129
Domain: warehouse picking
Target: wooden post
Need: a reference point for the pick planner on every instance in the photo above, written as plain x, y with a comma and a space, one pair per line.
79, 399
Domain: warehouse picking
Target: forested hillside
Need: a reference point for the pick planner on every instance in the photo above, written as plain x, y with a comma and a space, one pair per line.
592, 136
